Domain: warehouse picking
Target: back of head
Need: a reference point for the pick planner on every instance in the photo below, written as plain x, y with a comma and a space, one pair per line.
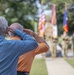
15, 26
3, 25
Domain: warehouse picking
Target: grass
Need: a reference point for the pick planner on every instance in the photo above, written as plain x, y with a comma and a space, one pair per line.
39, 67
71, 61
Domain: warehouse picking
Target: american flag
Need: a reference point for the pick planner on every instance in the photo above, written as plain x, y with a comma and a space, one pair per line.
42, 21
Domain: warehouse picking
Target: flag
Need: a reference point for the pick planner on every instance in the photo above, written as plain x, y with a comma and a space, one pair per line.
53, 21
42, 21
65, 20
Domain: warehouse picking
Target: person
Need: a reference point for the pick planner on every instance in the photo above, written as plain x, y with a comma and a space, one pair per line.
10, 50
73, 43
65, 41
24, 63
54, 46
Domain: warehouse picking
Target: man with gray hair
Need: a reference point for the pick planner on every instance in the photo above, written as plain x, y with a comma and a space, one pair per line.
15, 26
3, 25
10, 50
24, 63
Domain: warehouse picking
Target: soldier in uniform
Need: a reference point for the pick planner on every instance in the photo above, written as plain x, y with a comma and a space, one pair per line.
70, 42
48, 31
48, 35
54, 46
65, 41
73, 42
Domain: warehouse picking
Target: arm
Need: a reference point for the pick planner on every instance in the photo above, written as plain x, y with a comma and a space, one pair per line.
36, 36
26, 44
39, 39
42, 46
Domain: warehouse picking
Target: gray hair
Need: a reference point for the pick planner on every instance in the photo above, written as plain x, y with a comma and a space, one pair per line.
3, 24
15, 26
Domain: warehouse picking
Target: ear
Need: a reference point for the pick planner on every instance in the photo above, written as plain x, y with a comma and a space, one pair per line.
7, 29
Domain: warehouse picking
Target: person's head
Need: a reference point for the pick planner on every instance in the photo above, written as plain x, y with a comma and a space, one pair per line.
15, 26
3, 25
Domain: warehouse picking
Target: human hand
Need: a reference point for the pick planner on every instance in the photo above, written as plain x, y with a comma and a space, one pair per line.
11, 30
28, 31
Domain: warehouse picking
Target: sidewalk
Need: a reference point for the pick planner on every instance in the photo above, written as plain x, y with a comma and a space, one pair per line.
58, 66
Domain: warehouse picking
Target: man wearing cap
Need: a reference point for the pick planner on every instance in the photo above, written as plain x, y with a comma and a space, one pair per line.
54, 46
65, 42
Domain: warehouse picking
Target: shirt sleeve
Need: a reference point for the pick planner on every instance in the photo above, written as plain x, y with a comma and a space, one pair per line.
25, 45
42, 47
23, 35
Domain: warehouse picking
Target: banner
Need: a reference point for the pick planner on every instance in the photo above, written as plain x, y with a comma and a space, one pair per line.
65, 20
53, 21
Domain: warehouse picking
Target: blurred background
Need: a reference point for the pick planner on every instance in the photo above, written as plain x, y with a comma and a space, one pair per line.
43, 15
26, 12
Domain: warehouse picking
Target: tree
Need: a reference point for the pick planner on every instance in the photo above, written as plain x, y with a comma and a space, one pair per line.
60, 4
22, 11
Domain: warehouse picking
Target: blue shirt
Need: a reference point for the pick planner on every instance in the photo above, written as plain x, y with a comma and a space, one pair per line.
10, 50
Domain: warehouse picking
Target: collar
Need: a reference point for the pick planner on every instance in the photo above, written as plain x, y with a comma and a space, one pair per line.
15, 38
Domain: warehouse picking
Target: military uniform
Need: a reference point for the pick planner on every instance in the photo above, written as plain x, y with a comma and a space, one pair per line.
54, 47
70, 42
65, 41
73, 43
48, 32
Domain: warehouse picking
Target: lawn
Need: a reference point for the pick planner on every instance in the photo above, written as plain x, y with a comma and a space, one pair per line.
70, 61
39, 67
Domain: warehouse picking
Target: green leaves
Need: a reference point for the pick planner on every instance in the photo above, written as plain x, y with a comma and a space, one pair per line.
18, 11
60, 5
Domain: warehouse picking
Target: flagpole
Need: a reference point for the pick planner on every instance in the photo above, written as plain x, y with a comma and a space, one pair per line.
65, 6
65, 19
